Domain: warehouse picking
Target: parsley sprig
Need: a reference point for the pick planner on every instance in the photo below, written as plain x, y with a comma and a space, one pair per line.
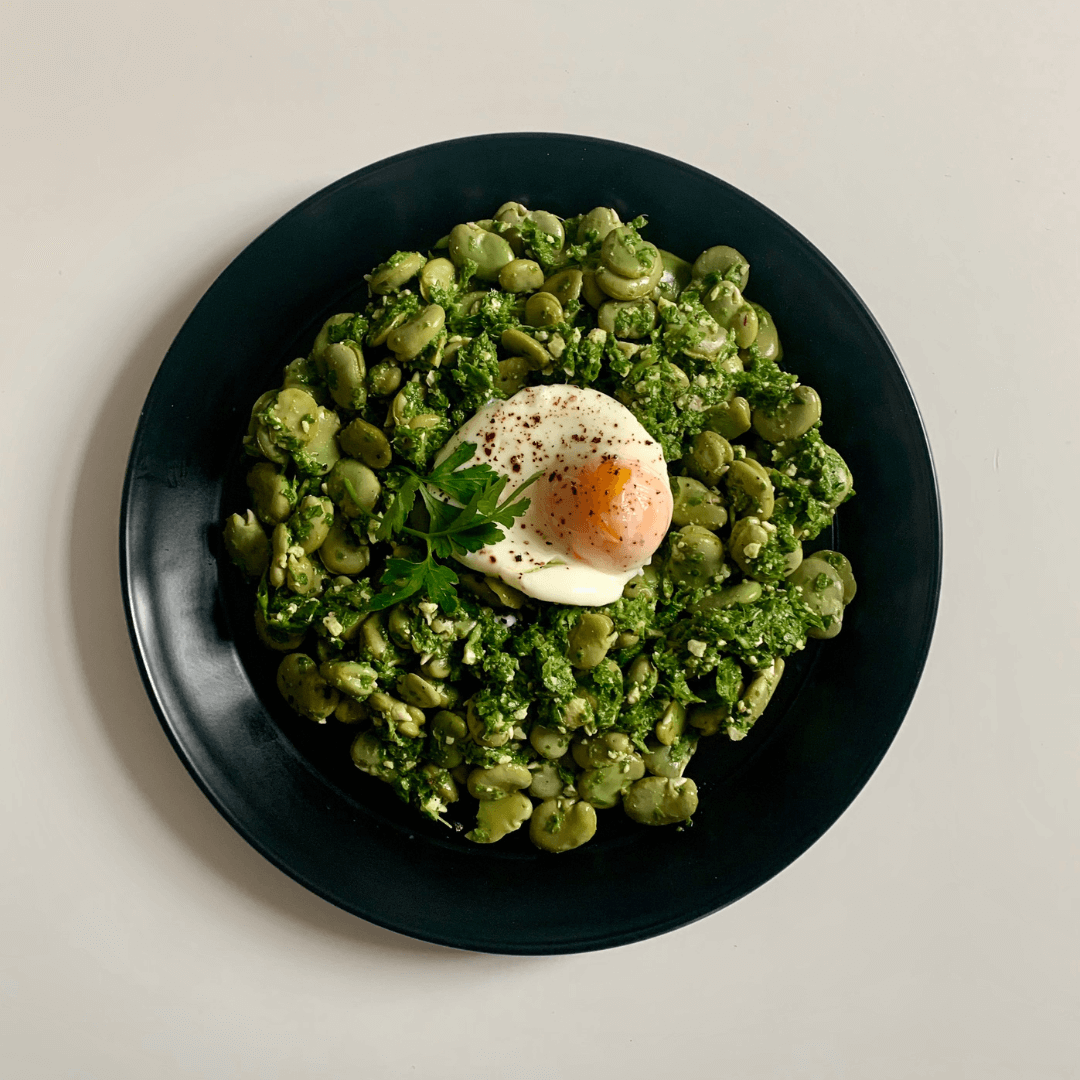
470, 521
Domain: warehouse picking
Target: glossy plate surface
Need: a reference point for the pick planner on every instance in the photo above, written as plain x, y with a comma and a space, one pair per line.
287, 786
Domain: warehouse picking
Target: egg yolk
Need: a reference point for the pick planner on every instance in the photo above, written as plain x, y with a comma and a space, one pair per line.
612, 514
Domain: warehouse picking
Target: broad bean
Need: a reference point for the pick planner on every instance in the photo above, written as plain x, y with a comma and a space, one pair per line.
498, 781
546, 781
423, 693
750, 490
357, 680
745, 592
625, 253
247, 544
753, 702
396, 271
322, 338
353, 487
321, 453
302, 576
489, 251
695, 504
414, 335
310, 523
767, 341
749, 537
518, 343
603, 786
521, 276
549, 743
496, 818
710, 457
791, 421
280, 542
672, 724
448, 732
405, 719
274, 497
367, 754
442, 783
590, 639
606, 748
730, 418
629, 320
437, 275
290, 419
676, 276
843, 570
820, 587
697, 556
629, 288
565, 285
724, 261
659, 800
367, 443
562, 824
341, 554
600, 221
345, 372
590, 289
274, 637
543, 309
306, 691
513, 374
384, 379
669, 760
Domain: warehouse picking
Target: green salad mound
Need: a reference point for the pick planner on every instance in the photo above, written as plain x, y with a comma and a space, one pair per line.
458, 685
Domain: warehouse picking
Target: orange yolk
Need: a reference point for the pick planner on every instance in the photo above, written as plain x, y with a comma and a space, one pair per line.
612, 514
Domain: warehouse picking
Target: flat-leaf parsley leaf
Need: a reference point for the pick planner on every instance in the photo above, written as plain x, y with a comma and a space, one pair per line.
466, 510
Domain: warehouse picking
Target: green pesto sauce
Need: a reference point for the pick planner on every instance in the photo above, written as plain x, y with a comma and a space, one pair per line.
506, 669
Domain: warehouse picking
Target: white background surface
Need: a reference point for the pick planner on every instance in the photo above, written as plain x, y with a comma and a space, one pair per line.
930, 150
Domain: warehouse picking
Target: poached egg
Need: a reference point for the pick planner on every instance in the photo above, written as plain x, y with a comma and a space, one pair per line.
601, 507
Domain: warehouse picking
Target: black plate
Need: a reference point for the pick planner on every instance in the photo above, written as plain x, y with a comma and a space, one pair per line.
287, 786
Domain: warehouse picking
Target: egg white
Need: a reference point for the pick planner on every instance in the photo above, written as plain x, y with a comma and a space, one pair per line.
541, 429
